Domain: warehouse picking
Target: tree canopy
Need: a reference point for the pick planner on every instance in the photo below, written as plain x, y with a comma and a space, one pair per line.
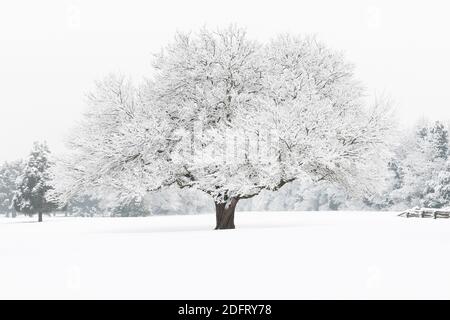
231, 117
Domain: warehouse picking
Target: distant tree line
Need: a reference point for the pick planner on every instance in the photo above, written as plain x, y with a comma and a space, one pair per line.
418, 175
25, 185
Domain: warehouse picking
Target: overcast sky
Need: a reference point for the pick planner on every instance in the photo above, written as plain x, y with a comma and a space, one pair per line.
52, 51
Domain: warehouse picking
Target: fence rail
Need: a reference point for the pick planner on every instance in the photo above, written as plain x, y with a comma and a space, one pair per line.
425, 213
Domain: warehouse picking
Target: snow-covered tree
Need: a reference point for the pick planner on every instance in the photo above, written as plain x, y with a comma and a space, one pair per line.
131, 207
231, 117
173, 200
438, 137
439, 189
9, 172
301, 195
418, 168
33, 183
82, 205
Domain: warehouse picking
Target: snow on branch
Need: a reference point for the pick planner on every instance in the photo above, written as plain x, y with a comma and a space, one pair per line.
230, 116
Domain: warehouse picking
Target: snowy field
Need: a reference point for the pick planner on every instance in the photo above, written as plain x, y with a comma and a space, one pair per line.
270, 256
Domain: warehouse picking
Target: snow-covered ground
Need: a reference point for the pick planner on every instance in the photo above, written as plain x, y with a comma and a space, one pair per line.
271, 255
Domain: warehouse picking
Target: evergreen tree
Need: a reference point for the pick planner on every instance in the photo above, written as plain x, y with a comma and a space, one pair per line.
418, 168
33, 184
9, 172
82, 206
134, 207
439, 140
442, 188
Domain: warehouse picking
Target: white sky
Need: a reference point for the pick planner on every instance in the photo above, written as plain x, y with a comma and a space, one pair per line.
52, 51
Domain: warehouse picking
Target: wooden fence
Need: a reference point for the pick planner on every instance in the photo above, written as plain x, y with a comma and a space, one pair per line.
425, 213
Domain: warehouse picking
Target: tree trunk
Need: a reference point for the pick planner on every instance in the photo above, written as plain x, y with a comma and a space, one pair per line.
225, 214
40, 217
